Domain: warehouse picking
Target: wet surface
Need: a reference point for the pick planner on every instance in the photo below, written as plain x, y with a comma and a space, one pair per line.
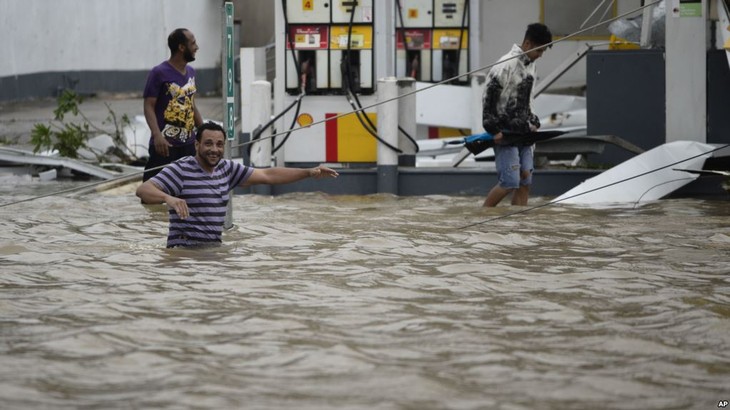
364, 302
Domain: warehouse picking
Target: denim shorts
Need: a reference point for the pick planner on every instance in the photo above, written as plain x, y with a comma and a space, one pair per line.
510, 160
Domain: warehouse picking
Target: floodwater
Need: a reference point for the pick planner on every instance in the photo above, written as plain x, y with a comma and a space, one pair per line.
372, 302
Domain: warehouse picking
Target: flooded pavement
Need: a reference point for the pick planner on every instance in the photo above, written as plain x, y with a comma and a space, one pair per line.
364, 302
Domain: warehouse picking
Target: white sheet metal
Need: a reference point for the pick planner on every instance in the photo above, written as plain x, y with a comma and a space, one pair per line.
17, 156
646, 177
444, 106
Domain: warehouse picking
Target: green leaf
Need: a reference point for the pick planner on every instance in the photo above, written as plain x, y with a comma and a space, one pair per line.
40, 137
68, 101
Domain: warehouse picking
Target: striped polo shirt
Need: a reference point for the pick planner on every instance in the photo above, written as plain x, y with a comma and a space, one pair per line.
206, 195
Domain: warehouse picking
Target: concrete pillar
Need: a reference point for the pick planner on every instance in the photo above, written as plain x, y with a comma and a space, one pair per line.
253, 68
280, 98
646, 27
388, 132
407, 121
228, 98
260, 115
478, 84
384, 27
686, 72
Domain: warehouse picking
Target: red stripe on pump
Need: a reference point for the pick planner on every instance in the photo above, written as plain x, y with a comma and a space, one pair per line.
330, 138
433, 132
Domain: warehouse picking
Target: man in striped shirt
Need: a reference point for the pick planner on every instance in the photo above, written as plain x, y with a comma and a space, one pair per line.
197, 189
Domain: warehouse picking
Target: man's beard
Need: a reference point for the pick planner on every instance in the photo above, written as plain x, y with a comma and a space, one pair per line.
211, 163
188, 56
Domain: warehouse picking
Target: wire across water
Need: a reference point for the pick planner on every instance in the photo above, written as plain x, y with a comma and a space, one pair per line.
318, 301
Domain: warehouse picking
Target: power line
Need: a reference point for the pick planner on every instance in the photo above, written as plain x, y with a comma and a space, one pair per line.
553, 202
362, 109
407, 94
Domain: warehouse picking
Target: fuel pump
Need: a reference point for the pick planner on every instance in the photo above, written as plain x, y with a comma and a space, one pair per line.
351, 57
329, 60
307, 59
319, 32
450, 40
432, 46
432, 39
414, 21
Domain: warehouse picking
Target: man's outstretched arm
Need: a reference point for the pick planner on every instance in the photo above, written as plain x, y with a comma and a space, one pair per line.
280, 175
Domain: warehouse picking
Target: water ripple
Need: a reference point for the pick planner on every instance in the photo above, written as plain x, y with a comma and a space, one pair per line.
318, 302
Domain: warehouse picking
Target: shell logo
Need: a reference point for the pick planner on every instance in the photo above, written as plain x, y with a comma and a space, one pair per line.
305, 120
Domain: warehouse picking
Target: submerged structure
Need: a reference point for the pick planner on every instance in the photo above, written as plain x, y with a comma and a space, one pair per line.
333, 61
379, 89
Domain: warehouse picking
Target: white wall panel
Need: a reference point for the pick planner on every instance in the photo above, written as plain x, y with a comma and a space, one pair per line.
117, 35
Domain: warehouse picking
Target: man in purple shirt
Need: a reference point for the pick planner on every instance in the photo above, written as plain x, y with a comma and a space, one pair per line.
169, 104
197, 189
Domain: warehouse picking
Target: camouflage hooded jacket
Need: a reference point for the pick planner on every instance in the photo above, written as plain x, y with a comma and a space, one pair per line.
507, 104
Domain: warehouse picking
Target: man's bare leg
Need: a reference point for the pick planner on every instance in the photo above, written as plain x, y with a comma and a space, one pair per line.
521, 195
496, 195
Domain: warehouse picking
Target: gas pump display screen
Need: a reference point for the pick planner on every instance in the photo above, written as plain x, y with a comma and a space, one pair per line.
308, 37
361, 37
415, 39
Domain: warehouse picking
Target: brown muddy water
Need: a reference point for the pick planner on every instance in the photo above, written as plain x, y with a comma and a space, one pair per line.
364, 302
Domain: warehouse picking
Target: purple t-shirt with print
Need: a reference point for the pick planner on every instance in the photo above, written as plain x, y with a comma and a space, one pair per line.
175, 93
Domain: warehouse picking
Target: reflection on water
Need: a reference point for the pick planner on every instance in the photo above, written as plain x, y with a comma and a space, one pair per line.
331, 302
